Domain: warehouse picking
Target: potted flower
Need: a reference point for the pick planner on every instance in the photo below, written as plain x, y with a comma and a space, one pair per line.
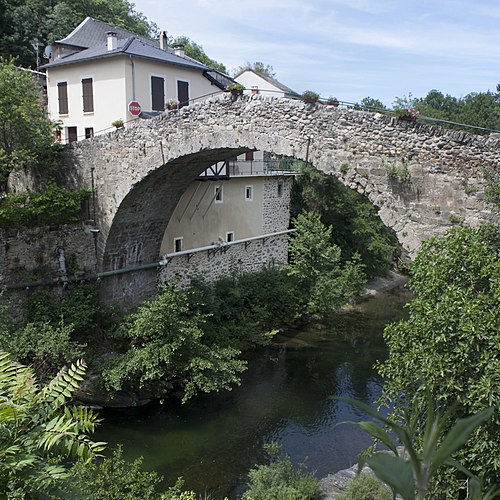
172, 104
235, 88
407, 114
310, 97
332, 101
118, 123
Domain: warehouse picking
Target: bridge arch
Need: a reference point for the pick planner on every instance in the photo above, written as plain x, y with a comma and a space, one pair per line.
419, 176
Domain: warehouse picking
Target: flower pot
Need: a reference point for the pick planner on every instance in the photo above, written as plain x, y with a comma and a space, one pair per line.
236, 92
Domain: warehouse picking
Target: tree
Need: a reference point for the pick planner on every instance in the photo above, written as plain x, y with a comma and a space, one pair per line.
23, 21
372, 104
315, 264
449, 346
257, 66
25, 130
481, 109
38, 431
355, 225
164, 341
195, 51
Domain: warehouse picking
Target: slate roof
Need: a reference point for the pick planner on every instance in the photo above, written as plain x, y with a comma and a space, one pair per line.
91, 32
91, 36
272, 81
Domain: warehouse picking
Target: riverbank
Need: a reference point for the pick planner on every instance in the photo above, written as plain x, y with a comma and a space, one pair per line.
384, 284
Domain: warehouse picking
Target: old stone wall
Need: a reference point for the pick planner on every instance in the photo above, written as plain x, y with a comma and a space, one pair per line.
211, 265
32, 254
276, 203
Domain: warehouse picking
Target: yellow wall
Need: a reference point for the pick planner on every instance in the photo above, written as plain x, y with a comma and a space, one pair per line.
200, 222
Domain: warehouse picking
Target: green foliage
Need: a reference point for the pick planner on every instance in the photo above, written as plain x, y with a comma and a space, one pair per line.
398, 171
449, 346
372, 104
492, 191
309, 96
114, 478
481, 109
195, 51
177, 492
165, 341
365, 487
38, 431
55, 329
43, 345
315, 264
278, 480
24, 20
26, 132
243, 309
355, 225
235, 87
410, 474
55, 205
258, 67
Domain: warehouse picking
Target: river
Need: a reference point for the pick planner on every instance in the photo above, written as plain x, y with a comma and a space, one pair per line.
286, 396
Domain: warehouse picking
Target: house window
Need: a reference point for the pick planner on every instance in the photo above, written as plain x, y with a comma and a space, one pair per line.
182, 93
157, 93
249, 156
88, 95
62, 93
72, 134
280, 189
229, 236
248, 193
255, 89
58, 136
218, 194
177, 245
89, 133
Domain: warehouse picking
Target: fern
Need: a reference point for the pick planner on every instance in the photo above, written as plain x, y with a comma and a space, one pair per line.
37, 429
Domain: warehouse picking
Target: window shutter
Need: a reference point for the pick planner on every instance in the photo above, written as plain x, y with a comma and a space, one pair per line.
157, 93
88, 96
62, 93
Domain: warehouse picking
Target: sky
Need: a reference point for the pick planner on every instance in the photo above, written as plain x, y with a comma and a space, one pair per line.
349, 49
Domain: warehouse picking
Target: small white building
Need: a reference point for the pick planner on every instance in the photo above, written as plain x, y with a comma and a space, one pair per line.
257, 83
97, 73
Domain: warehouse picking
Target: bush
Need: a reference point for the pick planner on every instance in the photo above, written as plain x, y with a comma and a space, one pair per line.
114, 478
45, 346
280, 481
365, 487
55, 205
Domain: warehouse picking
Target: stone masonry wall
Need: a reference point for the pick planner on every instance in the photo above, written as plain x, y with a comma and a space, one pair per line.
276, 208
214, 264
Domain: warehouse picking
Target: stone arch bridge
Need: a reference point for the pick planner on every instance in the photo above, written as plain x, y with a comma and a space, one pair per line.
422, 178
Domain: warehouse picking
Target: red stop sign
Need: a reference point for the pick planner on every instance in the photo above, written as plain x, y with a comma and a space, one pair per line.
134, 108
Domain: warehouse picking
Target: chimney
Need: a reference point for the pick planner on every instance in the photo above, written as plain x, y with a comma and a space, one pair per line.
163, 40
179, 50
112, 40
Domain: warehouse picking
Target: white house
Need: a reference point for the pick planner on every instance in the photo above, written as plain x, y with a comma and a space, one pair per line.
98, 73
257, 83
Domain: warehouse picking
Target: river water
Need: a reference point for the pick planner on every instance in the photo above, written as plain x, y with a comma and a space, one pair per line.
286, 396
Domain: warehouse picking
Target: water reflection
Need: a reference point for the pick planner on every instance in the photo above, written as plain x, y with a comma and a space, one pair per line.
285, 396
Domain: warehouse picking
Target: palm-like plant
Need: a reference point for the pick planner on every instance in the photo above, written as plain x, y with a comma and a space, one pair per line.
38, 432
409, 473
